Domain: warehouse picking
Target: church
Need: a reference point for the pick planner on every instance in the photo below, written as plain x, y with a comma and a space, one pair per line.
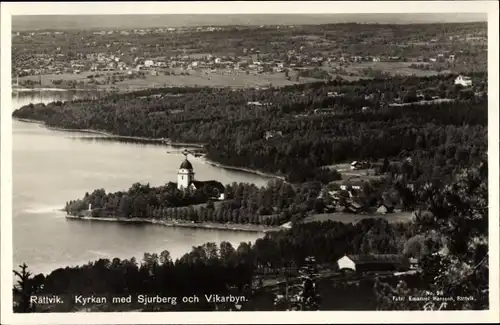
185, 179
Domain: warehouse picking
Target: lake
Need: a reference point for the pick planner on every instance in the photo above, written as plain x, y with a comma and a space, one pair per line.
53, 167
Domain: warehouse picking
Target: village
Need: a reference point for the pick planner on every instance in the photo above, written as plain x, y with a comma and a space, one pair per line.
112, 58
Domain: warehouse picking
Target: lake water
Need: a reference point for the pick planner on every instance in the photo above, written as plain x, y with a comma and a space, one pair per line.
53, 167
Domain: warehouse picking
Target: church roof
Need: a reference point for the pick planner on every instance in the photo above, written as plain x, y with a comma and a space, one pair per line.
377, 258
186, 165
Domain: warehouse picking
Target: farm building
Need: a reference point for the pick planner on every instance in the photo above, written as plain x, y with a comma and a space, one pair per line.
355, 185
386, 207
367, 263
463, 81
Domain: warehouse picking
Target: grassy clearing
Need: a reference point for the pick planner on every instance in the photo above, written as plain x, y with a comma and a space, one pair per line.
347, 173
216, 79
394, 217
196, 78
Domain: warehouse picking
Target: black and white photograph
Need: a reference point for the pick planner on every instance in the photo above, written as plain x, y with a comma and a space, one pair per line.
236, 159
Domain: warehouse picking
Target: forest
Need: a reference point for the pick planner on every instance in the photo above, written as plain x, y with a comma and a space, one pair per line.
449, 236
367, 120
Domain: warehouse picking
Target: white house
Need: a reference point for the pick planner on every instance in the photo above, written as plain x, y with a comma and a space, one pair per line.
379, 262
148, 63
345, 187
463, 81
345, 263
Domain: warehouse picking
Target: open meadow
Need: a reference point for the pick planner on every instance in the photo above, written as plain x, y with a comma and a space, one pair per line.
220, 78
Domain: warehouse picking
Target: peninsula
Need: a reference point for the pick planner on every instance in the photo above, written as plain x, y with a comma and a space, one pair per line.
187, 203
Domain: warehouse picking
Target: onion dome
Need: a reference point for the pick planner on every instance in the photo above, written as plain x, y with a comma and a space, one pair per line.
186, 165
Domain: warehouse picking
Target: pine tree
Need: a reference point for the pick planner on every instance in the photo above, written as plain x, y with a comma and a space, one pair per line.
24, 290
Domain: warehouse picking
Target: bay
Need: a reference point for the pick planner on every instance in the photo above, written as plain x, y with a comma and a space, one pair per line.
52, 167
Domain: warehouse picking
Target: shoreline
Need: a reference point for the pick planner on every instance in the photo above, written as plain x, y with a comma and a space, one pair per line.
242, 169
110, 135
168, 223
173, 144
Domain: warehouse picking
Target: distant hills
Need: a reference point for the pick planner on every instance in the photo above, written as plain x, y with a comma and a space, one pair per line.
64, 22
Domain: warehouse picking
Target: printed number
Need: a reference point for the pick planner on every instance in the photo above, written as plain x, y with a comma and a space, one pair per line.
439, 293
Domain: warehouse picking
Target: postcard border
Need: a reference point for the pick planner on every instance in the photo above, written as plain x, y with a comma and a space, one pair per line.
8, 9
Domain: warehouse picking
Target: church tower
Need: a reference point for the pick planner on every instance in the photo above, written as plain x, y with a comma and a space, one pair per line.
185, 175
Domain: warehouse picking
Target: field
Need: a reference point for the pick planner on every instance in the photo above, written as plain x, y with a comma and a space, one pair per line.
220, 78
46, 79
347, 173
215, 79
394, 217
393, 68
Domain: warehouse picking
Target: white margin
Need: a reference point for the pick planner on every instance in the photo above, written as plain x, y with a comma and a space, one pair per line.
80, 8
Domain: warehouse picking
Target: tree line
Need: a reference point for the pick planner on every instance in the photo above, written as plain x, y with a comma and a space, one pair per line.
270, 205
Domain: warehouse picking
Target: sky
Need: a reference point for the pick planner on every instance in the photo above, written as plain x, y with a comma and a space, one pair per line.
40, 22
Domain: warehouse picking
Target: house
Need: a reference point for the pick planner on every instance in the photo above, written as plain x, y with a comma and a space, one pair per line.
148, 63
370, 263
386, 207
354, 207
323, 111
463, 81
357, 165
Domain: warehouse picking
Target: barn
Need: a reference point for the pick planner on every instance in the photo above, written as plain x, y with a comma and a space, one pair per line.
368, 263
